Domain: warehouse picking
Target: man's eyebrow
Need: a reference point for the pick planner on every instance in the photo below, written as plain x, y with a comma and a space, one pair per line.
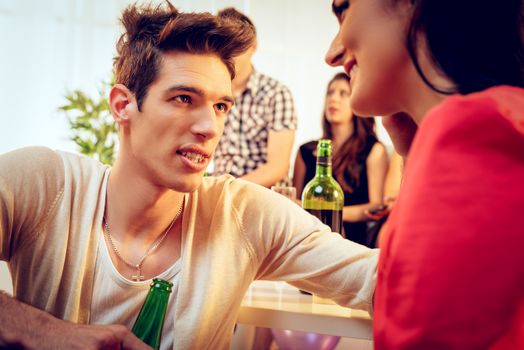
198, 92
186, 88
229, 99
338, 9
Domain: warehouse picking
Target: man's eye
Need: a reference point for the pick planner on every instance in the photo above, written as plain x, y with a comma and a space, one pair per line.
222, 107
183, 99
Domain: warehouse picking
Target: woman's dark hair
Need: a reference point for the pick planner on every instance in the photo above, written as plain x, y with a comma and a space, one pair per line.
151, 31
476, 43
346, 158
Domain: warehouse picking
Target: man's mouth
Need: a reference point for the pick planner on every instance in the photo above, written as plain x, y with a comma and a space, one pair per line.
193, 156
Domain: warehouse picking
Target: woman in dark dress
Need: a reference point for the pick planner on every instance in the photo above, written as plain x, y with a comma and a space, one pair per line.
359, 160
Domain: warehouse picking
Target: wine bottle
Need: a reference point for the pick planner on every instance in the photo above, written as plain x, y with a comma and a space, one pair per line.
150, 321
323, 196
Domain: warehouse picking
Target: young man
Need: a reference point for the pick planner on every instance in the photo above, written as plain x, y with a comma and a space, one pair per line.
260, 129
83, 241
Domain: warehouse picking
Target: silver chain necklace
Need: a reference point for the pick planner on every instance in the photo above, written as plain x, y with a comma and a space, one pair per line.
156, 243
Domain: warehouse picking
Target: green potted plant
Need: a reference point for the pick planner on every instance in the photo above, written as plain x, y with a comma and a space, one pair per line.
93, 129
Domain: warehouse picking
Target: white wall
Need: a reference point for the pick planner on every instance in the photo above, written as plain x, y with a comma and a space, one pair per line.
54, 46
50, 47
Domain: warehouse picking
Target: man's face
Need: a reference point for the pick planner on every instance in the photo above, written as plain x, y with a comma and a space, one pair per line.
370, 45
171, 140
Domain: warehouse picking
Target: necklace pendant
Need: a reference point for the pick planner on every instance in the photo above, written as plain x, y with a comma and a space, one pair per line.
138, 277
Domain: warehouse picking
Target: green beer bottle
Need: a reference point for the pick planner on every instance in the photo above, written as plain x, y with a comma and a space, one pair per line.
150, 321
323, 196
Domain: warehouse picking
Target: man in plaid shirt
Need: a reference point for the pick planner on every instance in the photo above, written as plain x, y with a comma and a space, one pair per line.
259, 131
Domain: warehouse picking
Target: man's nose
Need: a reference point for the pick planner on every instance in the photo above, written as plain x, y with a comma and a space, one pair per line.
206, 124
336, 52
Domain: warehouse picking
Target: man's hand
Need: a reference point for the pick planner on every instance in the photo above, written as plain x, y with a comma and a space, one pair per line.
25, 327
402, 129
80, 337
66, 335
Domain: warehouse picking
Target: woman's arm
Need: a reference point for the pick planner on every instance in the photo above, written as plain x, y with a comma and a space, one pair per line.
393, 178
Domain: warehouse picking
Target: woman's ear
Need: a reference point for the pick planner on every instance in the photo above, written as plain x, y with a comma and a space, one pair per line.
120, 101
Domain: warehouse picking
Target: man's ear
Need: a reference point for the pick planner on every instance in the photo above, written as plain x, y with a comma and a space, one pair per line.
122, 102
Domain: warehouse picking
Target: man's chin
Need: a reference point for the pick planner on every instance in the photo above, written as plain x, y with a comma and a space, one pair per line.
187, 186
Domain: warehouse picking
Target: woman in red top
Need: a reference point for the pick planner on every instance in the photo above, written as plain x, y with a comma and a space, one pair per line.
449, 77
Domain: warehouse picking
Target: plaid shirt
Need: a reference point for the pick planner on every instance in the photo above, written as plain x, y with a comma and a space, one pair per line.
265, 105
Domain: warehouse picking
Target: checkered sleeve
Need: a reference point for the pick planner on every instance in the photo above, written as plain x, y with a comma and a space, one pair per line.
283, 112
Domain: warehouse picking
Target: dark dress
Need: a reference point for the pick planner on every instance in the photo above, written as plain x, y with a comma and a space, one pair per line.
355, 231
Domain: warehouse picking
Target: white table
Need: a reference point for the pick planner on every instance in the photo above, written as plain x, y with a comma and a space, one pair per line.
280, 305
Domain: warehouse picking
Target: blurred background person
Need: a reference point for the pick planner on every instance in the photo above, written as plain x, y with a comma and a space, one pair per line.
260, 129
360, 161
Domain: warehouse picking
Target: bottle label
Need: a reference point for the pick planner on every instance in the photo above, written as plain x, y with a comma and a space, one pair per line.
324, 160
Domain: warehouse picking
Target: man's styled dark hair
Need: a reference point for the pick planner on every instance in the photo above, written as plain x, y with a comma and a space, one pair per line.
476, 43
151, 31
244, 25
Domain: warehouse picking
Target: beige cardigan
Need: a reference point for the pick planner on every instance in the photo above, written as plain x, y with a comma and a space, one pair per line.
51, 207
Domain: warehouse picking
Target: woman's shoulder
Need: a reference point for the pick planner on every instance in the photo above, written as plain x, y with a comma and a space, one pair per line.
371, 141
308, 149
489, 122
309, 145
500, 104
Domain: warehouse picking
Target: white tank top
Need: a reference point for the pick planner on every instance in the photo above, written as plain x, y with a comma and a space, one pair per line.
117, 300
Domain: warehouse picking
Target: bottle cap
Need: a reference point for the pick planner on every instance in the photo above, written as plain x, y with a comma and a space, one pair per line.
324, 143
162, 285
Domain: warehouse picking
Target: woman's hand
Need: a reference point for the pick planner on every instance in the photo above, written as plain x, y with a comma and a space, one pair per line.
377, 212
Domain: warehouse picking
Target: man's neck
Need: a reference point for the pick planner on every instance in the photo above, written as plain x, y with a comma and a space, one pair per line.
136, 207
137, 215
